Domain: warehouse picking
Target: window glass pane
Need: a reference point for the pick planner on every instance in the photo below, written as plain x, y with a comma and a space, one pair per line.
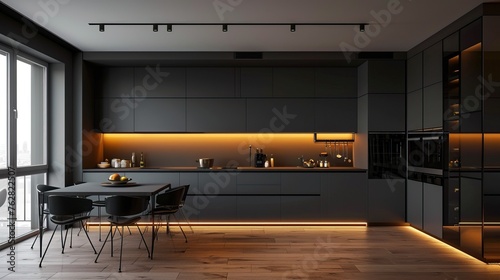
3, 111
4, 214
30, 114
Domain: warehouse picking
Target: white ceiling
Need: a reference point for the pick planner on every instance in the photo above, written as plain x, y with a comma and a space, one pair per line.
410, 23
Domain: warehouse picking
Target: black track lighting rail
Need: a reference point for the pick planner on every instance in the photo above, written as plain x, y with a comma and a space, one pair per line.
225, 25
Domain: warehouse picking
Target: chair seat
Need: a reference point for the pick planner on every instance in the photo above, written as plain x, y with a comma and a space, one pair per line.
163, 210
99, 203
63, 220
123, 221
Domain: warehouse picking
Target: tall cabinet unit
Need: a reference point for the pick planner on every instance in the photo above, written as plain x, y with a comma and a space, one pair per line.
468, 189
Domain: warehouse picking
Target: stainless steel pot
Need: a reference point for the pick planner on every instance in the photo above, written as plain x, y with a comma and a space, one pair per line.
205, 162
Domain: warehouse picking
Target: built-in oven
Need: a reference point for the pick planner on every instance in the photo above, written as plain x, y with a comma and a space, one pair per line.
425, 151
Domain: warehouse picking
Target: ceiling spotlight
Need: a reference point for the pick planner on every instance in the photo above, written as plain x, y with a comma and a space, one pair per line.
101, 27
292, 28
224, 28
362, 28
169, 27
155, 27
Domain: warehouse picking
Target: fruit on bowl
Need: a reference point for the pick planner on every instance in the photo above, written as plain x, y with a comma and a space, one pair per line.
118, 179
114, 177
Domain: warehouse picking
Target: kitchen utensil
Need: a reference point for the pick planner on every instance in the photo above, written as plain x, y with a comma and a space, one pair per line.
346, 151
337, 150
205, 162
309, 163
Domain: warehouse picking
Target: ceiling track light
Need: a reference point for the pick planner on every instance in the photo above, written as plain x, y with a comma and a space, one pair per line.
293, 26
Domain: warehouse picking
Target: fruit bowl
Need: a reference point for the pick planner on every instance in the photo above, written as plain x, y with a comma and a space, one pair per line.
119, 182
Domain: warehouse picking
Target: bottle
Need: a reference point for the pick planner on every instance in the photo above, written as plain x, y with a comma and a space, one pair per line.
271, 161
141, 163
133, 159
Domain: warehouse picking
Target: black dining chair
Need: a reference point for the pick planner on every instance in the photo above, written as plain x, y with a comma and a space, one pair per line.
168, 204
64, 212
124, 211
43, 211
181, 206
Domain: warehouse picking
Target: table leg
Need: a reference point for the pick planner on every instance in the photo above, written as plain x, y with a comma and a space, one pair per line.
152, 203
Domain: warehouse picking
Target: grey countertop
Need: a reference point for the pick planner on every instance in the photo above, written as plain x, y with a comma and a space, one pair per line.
222, 169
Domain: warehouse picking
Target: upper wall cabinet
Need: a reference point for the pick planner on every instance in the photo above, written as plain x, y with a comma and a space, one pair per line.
256, 82
382, 119
155, 81
414, 68
414, 110
280, 115
210, 82
433, 64
116, 115
293, 82
216, 115
336, 82
386, 76
116, 82
336, 114
160, 115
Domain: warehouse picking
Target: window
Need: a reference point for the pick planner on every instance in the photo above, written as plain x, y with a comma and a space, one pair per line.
27, 128
30, 113
3, 110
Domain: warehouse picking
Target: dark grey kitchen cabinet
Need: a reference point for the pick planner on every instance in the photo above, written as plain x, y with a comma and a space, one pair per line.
414, 206
386, 112
336, 82
160, 115
210, 82
256, 82
491, 115
258, 196
209, 197
155, 81
216, 115
414, 110
344, 197
386, 200
116, 115
214, 183
414, 75
280, 115
433, 106
258, 208
116, 82
336, 115
293, 82
433, 209
433, 64
300, 196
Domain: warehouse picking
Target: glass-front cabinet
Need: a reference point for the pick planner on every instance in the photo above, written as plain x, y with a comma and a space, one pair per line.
471, 169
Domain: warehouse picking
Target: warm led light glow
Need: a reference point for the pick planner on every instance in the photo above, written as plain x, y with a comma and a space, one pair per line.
474, 48
334, 136
248, 224
445, 246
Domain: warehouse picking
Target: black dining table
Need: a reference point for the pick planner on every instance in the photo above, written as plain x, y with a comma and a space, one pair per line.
128, 189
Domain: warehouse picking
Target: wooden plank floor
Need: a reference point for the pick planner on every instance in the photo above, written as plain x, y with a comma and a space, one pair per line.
258, 252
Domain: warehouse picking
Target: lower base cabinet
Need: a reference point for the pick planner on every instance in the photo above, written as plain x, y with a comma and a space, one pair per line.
264, 196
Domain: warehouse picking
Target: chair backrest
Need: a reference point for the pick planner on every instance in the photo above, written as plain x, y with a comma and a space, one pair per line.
172, 197
41, 190
126, 205
67, 205
186, 190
